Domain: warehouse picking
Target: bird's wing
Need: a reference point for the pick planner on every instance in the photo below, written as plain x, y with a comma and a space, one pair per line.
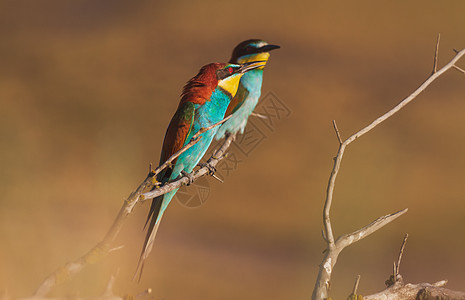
238, 100
178, 130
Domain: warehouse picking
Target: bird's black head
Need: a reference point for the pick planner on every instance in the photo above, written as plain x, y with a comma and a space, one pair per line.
251, 50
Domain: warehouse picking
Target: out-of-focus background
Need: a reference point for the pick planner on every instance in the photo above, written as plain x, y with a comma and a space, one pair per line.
87, 89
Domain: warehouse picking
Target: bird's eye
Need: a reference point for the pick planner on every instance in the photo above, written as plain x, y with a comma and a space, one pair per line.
230, 70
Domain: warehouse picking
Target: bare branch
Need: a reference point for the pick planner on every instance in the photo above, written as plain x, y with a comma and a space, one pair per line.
394, 272
259, 115
348, 239
459, 69
333, 249
337, 132
100, 250
357, 280
404, 242
109, 290
116, 248
217, 178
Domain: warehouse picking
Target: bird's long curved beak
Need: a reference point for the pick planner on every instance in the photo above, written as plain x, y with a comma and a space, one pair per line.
268, 48
251, 65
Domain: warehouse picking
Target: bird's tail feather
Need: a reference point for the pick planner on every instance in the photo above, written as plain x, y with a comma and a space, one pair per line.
154, 217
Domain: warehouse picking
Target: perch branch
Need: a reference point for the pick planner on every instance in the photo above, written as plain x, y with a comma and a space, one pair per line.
211, 163
195, 138
100, 250
332, 251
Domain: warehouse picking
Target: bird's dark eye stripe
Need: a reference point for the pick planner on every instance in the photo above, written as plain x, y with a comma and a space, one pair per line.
223, 73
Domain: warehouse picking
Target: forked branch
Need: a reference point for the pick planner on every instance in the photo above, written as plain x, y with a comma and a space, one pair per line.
335, 247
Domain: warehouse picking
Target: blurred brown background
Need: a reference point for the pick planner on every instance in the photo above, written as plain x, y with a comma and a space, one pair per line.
87, 89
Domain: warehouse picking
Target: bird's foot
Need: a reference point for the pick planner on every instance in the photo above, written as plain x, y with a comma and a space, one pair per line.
155, 182
211, 169
189, 176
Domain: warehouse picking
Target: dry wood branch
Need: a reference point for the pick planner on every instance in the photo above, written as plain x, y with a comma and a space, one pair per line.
459, 69
348, 239
254, 114
333, 248
100, 250
357, 281
420, 291
401, 252
338, 135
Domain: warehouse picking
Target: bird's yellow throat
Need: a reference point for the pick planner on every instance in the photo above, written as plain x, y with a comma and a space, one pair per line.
231, 83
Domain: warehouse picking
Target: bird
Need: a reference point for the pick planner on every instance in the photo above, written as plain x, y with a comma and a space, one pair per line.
248, 93
204, 100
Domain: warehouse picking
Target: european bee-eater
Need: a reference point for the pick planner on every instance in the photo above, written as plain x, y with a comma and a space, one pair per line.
204, 100
250, 85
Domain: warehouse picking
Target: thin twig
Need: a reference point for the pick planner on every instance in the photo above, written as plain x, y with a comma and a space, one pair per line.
217, 178
394, 272
436, 55
259, 115
109, 290
357, 280
348, 239
459, 69
337, 132
116, 248
400, 256
324, 236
